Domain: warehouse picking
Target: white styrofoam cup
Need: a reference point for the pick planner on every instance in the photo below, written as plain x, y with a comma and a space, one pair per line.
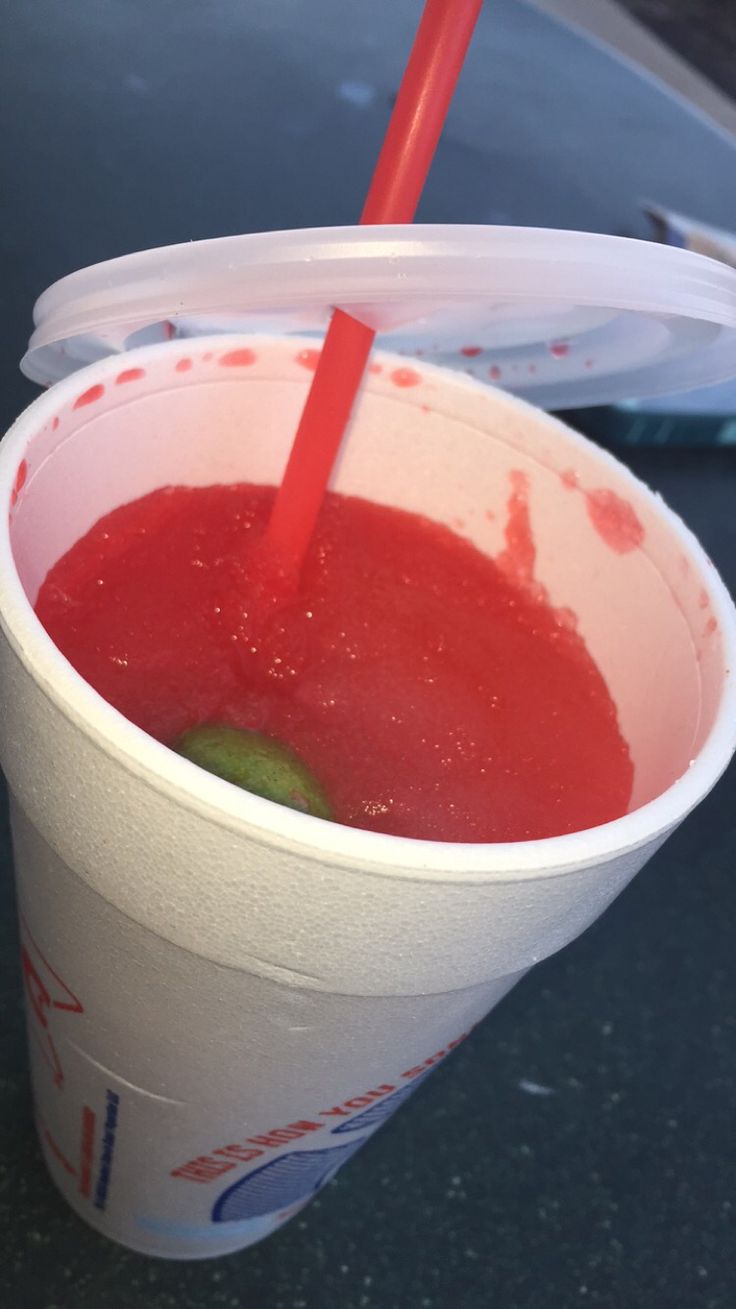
226, 997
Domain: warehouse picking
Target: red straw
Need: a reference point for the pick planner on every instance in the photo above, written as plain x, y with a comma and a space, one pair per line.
416, 124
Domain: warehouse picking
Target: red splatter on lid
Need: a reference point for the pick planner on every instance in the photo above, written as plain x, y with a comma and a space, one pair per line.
130, 375
183, 365
308, 359
470, 351
89, 396
405, 377
238, 358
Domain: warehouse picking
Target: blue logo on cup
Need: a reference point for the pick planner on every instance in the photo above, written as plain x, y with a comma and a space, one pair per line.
281, 1183
378, 1113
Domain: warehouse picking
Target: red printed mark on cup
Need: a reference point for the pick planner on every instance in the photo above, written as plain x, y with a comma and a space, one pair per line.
45, 992
86, 1150
209, 1167
57, 1152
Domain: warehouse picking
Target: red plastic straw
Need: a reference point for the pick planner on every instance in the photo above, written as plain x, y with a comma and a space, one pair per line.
440, 46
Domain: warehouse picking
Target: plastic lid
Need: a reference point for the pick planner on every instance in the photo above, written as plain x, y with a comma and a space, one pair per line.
561, 318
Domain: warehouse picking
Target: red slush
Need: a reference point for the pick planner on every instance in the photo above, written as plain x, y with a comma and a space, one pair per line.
433, 691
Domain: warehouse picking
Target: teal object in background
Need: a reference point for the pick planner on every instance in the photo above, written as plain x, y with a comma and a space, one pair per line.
616, 425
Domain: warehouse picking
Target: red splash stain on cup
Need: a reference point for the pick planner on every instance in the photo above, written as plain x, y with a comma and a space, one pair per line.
559, 349
711, 626
183, 365
614, 520
308, 359
494, 372
518, 558
567, 618
242, 358
89, 396
55, 424
570, 479
375, 369
470, 351
20, 481
405, 377
130, 375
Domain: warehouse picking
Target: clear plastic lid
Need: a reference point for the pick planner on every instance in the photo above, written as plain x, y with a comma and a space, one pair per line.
560, 318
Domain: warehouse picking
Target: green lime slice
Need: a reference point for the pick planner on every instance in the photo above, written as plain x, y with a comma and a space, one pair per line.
257, 763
